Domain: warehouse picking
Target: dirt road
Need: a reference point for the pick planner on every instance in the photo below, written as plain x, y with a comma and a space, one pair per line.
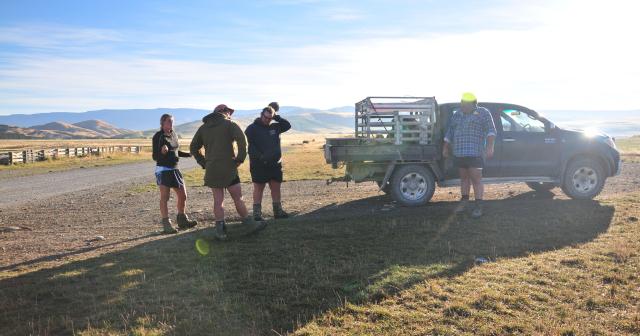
20, 190
63, 228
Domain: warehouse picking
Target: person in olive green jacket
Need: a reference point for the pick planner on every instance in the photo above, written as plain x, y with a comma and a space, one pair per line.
217, 135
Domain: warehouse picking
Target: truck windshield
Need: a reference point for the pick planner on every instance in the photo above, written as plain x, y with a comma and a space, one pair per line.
517, 121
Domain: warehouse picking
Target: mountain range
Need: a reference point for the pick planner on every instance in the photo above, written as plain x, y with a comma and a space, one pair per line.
144, 122
88, 129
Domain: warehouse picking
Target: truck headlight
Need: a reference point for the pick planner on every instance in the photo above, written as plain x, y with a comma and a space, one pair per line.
610, 141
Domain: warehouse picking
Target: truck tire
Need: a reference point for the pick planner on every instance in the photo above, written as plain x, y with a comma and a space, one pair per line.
583, 179
541, 186
412, 185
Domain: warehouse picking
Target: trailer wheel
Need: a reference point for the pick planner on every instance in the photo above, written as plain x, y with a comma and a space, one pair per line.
412, 185
583, 179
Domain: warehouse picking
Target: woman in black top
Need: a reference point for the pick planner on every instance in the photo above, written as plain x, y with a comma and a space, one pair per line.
168, 176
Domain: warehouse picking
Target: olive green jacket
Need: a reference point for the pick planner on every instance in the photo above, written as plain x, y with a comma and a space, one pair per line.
217, 135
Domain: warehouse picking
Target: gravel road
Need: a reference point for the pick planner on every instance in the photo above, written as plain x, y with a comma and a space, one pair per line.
60, 229
20, 190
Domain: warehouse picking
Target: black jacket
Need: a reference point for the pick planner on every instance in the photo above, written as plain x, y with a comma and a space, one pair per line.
264, 141
171, 158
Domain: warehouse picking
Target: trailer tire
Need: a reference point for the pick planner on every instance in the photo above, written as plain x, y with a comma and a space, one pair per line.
412, 185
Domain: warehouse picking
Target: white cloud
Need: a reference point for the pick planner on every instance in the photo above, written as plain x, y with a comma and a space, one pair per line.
577, 55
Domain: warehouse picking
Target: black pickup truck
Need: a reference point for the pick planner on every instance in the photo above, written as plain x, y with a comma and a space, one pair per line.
398, 144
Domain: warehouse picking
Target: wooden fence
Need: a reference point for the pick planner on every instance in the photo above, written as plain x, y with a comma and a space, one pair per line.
29, 156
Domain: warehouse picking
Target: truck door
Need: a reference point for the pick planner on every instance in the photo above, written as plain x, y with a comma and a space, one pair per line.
527, 145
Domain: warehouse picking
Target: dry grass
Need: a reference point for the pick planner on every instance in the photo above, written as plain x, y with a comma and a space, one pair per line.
630, 148
300, 162
66, 163
571, 269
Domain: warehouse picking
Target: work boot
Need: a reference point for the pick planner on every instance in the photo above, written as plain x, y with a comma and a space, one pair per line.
252, 225
220, 231
257, 212
167, 226
477, 210
184, 222
278, 213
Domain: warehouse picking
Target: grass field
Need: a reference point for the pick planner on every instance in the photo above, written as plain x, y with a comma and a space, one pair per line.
571, 269
630, 148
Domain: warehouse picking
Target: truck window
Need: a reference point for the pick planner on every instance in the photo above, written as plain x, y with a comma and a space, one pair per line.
517, 121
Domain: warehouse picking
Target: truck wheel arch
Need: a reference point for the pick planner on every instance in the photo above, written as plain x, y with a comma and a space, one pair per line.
606, 166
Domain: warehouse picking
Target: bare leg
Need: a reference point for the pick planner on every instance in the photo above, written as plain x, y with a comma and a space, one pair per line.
182, 198
274, 186
258, 190
465, 182
236, 194
475, 175
218, 203
164, 198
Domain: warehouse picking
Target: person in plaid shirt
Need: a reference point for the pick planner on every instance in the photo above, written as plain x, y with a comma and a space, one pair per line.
471, 133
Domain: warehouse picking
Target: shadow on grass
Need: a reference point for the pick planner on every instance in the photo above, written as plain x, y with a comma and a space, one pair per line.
296, 269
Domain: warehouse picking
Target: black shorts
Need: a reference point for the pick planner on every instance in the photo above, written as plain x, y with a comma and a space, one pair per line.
170, 178
234, 182
263, 173
468, 162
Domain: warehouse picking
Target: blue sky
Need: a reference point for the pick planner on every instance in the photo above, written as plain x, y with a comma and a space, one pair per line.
83, 55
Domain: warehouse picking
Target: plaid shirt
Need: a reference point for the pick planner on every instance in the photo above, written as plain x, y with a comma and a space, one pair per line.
468, 132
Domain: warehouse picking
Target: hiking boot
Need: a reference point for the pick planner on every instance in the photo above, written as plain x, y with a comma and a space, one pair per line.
257, 212
253, 225
220, 231
167, 226
461, 207
184, 222
278, 213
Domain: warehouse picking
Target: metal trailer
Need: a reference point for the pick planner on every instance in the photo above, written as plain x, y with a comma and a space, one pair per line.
397, 144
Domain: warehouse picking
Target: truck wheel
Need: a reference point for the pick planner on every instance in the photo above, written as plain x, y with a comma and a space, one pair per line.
583, 179
412, 185
541, 186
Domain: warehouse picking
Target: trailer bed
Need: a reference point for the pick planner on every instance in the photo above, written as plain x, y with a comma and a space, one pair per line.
368, 150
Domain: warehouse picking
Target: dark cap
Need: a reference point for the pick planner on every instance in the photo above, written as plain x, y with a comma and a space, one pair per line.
222, 108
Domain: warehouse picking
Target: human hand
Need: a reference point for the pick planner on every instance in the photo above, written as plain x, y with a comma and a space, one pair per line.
445, 151
490, 152
164, 149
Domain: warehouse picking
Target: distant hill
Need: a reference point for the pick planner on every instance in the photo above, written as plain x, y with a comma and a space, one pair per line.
339, 119
89, 129
302, 122
134, 119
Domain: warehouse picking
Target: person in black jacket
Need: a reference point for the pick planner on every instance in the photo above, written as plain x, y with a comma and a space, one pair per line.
168, 176
265, 158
